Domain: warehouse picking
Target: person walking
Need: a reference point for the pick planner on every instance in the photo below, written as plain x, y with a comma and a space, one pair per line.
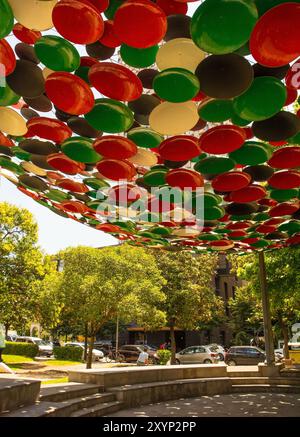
143, 358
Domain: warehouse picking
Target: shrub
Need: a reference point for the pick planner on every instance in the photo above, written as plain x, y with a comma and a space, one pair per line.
68, 353
164, 356
29, 350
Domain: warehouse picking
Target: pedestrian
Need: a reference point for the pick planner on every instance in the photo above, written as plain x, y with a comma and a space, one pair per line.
2, 347
162, 346
143, 358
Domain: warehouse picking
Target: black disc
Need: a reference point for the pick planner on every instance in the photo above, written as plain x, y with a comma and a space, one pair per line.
259, 173
99, 51
280, 127
279, 72
178, 27
147, 76
27, 79
41, 103
82, 128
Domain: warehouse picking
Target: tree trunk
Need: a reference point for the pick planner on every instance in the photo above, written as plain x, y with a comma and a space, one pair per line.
85, 342
173, 344
285, 334
6, 329
90, 351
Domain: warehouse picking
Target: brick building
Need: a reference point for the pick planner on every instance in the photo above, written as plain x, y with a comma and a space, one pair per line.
225, 284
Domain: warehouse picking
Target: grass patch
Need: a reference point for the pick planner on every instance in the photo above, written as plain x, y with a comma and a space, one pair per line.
61, 363
56, 381
16, 359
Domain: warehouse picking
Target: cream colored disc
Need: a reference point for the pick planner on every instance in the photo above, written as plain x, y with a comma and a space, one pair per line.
32, 168
179, 53
174, 118
144, 157
11, 122
33, 14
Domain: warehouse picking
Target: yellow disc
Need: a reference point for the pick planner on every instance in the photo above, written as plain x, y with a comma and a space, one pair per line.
144, 157
32, 168
186, 232
46, 72
179, 53
11, 122
34, 14
174, 118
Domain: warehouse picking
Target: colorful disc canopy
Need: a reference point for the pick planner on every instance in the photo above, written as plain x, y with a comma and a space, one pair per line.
69, 93
222, 139
133, 17
275, 39
264, 98
223, 26
116, 147
110, 116
115, 81
179, 148
176, 85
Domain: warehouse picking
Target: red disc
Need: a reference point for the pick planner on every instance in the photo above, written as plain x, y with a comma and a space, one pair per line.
28, 36
222, 139
115, 147
273, 221
267, 202
284, 180
69, 93
7, 58
238, 225
48, 128
275, 39
74, 206
295, 239
156, 205
265, 229
287, 157
78, 21
101, 5
70, 185
179, 148
115, 81
277, 143
116, 169
222, 244
140, 23
61, 162
231, 181
292, 78
109, 37
171, 7
108, 227
292, 95
4, 141
87, 61
248, 194
283, 209
185, 179
124, 194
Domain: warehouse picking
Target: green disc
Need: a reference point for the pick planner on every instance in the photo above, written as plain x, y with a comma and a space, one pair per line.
110, 116
112, 8
138, 58
214, 165
216, 110
265, 97
58, 196
264, 5
213, 213
176, 85
251, 153
6, 19
260, 244
238, 121
80, 149
156, 176
144, 137
95, 183
10, 165
83, 73
161, 230
223, 26
21, 154
8, 96
284, 195
173, 195
209, 237
295, 139
292, 226
57, 53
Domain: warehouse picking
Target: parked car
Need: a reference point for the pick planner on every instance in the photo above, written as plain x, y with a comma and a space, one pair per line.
197, 355
220, 350
10, 337
279, 354
45, 348
103, 347
97, 355
131, 352
244, 355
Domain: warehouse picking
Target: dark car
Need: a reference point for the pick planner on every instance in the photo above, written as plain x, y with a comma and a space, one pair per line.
131, 353
244, 355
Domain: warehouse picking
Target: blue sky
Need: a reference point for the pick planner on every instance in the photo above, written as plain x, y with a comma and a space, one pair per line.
56, 232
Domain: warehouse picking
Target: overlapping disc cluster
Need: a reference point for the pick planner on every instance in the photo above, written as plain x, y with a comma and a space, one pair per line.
107, 105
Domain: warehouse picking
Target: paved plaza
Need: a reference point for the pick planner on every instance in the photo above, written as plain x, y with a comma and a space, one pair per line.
233, 405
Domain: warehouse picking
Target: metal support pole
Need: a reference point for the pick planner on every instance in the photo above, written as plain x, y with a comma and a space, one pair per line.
268, 334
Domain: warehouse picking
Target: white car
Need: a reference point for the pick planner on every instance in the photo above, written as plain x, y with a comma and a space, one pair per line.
218, 349
97, 355
45, 348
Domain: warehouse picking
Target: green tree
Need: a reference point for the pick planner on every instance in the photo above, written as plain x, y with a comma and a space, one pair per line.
99, 284
21, 264
190, 299
283, 281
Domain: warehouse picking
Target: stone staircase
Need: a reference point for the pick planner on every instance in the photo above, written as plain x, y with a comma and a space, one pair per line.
71, 400
265, 384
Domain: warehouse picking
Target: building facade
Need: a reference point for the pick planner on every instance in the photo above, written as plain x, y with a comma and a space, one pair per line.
225, 284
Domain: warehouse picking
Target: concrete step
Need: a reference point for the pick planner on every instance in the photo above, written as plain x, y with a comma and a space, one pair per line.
232, 373
263, 388
64, 408
99, 410
63, 392
265, 380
